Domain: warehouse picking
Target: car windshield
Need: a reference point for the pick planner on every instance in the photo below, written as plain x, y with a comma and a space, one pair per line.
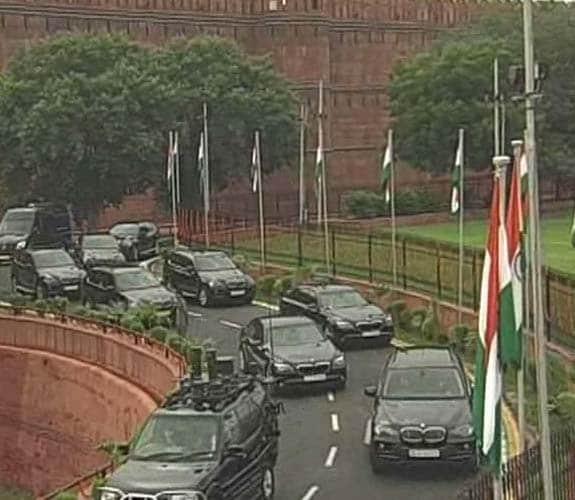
52, 258
292, 335
423, 383
135, 280
341, 299
177, 438
97, 242
125, 230
214, 262
17, 222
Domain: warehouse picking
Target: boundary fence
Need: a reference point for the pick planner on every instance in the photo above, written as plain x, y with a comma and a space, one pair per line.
423, 265
522, 478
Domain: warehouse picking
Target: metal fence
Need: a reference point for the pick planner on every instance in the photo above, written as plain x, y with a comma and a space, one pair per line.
423, 265
522, 479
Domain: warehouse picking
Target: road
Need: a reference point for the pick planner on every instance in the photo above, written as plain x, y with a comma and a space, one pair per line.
323, 454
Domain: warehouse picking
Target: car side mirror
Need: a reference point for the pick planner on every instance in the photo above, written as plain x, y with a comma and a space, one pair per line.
235, 451
370, 391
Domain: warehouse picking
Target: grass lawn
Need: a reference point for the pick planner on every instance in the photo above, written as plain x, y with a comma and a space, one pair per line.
558, 252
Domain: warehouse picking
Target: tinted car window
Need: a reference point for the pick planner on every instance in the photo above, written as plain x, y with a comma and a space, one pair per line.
341, 299
100, 241
135, 279
54, 258
231, 429
176, 437
215, 262
17, 222
292, 335
423, 383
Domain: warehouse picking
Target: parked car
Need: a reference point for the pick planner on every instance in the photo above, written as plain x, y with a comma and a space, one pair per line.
128, 286
211, 277
138, 240
293, 350
98, 249
422, 410
36, 225
341, 310
46, 273
210, 441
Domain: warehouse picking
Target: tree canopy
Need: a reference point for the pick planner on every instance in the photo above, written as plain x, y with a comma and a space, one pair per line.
450, 86
84, 118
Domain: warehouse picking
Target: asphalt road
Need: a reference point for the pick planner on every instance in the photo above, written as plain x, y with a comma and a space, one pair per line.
323, 454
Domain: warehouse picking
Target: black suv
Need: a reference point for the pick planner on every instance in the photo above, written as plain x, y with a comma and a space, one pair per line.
292, 350
422, 409
210, 277
341, 310
128, 286
46, 273
98, 249
39, 225
210, 441
137, 239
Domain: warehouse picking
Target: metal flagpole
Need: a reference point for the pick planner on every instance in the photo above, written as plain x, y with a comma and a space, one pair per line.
260, 201
323, 181
320, 150
206, 179
461, 219
392, 207
302, 164
535, 249
177, 176
172, 162
496, 120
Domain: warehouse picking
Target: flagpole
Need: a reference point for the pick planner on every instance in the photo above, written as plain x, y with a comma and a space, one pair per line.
171, 163
392, 207
496, 119
177, 178
323, 197
302, 164
260, 202
536, 252
461, 220
320, 148
206, 179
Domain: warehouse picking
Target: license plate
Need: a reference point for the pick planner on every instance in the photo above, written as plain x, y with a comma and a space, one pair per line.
237, 293
71, 288
372, 333
315, 378
424, 453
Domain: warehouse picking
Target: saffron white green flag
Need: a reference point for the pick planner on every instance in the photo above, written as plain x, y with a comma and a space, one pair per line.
254, 170
386, 167
456, 178
172, 153
203, 171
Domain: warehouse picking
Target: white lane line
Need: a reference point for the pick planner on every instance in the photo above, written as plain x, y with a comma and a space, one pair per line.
310, 493
330, 397
230, 324
367, 435
330, 460
194, 314
334, 422
265, 305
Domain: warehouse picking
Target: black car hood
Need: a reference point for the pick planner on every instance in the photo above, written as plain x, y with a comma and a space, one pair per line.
155, 295
355, 314
443, 412
153, 477
67, 273
225, 275
322, 351
102, 254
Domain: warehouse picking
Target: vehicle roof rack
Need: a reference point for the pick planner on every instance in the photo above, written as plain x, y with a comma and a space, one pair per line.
213, 395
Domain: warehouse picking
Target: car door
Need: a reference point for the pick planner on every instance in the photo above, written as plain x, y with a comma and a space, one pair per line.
195, 282
93, 287
186, 275
28, 275
231, 464
17, 269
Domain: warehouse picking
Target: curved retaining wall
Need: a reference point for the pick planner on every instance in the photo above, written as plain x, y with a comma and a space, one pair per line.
66, 386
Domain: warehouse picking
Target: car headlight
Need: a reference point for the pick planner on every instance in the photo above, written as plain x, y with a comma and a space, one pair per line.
338, 361
50, 279
282, 368
341, 324
384, 429
110, 494
388, 319
463, 431
216, 283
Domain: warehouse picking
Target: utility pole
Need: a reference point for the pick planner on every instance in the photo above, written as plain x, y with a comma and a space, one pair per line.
535, 251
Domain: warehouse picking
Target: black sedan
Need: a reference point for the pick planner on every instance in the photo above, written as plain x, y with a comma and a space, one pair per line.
211, 277
422, 410
341, 310
98, 249
138, 240
128, 286
46, 273
292, 350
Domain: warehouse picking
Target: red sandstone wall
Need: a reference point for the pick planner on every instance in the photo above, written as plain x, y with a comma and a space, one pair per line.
65, 389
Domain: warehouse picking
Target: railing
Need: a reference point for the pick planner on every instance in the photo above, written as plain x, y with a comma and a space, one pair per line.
521, 476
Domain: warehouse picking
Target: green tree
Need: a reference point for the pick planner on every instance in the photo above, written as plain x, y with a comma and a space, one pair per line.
436, 92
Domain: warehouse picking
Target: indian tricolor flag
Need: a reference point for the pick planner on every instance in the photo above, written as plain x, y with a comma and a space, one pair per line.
494, 312
386, 167
456, 178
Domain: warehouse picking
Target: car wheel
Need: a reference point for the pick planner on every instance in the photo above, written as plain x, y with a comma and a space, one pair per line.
204, 297
267, 484
41, 291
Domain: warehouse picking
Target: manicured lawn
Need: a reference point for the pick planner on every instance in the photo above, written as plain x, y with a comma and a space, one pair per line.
558, 252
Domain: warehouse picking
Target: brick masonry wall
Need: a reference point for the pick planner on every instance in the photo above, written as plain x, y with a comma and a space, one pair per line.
67, 388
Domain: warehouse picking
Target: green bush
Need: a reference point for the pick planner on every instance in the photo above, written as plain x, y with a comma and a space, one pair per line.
564, 406
459, 338
365, 204
282, 284
417, 318
159, 333
396, 308
265, 286
67, 495
405, 320
430, 327
362, 204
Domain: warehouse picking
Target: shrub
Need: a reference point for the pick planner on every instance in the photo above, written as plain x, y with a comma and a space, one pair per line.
405, 320
417, 318
159, 333
430, 327
67, 495
459, 337
396, 308
362, 204
265, 286
282, 284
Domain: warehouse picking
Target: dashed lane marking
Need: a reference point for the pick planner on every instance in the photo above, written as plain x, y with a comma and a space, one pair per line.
310, 493
194, 314
334, 422
367, 434
330, 460
265, 305
330, 397
230, 324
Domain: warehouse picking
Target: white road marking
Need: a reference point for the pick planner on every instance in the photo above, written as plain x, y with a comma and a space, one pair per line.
265, 305
367, 435
334, 422
194, 314
330, 397
330, 460
230, 324
310, 493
